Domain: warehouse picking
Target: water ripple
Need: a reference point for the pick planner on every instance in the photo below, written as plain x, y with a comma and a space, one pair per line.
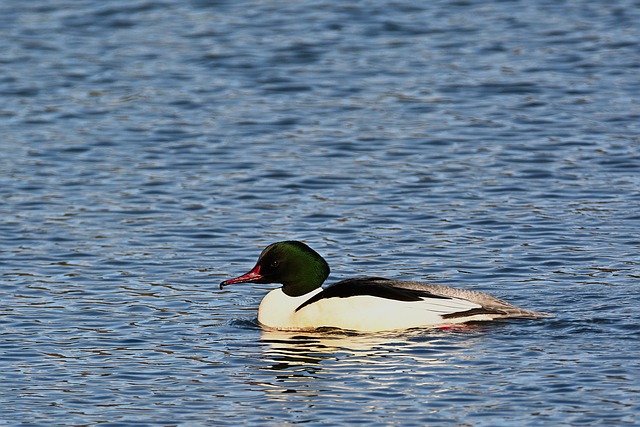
152, 149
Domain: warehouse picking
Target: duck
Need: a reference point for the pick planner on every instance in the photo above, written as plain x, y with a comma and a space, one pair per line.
364, 304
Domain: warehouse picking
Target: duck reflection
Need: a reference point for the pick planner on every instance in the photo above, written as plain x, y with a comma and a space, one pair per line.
303, 363
291, 349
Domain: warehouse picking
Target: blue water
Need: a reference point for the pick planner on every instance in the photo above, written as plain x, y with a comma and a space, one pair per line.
152, 149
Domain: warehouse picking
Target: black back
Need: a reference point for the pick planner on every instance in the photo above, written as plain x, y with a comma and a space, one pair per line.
372, 286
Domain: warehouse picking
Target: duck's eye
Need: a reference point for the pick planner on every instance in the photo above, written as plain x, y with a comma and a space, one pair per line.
274, 263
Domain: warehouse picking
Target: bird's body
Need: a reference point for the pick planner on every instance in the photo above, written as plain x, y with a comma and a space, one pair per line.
360, 304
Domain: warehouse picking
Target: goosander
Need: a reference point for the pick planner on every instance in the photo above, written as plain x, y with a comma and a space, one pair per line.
365, 304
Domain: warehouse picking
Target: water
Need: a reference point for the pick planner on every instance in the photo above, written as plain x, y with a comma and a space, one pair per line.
151, 149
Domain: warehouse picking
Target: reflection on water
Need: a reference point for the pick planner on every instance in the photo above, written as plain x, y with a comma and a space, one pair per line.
292, 349
300, 358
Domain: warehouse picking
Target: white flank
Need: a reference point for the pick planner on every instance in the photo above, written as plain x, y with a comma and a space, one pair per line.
360, 313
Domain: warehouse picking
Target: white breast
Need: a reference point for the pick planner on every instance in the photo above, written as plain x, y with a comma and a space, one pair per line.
277, 309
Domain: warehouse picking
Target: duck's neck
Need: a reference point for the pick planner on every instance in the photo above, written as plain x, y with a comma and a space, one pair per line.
307, 280
302, 288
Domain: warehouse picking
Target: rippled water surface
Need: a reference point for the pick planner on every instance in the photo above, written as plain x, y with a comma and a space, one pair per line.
152, 149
